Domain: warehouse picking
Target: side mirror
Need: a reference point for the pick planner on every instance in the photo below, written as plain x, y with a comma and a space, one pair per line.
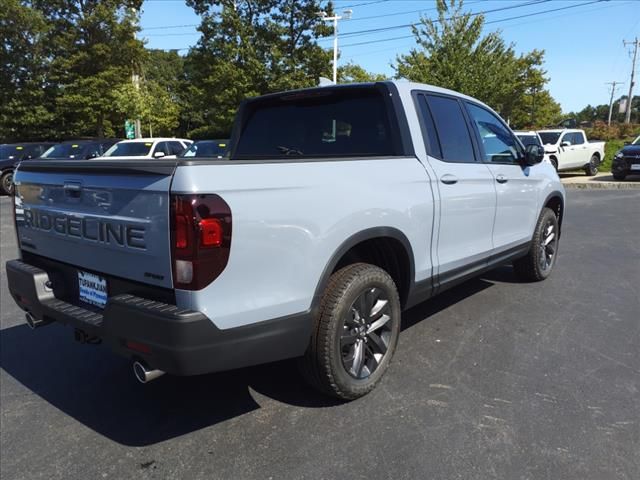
158, 155
565, 144
627, 143
533, 155
93, 155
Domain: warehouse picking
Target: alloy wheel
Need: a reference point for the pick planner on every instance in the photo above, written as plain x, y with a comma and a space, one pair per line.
366, 333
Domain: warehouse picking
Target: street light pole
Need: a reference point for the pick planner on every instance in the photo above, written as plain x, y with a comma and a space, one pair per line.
346, 15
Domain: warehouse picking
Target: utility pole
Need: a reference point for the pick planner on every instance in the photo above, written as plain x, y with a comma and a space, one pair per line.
635, 43
135, 78
346, 15
613, 91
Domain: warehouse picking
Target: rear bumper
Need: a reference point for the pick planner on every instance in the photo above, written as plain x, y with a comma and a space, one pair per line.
623, 165
180, 342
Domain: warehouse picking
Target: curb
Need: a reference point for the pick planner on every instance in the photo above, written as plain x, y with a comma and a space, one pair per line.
602, 185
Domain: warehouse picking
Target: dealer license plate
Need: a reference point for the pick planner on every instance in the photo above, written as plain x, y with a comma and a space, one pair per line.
635, 166
93, 289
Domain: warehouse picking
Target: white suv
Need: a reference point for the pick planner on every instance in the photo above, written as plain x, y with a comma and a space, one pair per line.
148, 148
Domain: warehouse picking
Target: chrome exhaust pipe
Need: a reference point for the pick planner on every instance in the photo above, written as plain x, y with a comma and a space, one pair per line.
144, 374
33, 322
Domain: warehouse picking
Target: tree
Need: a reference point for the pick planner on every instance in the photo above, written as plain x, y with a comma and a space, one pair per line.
98, 52
353, 73
249, 48
453, 53
26, 96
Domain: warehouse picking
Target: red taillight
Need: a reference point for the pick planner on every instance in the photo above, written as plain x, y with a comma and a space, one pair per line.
200, 239
211, 232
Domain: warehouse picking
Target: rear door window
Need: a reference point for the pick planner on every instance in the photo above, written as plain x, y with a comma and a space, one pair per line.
451, 129
348, 122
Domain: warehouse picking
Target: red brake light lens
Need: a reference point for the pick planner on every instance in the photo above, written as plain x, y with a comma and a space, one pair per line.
200, 239
211, 232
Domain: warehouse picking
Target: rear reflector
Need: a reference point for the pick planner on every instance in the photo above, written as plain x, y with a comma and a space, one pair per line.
200, 239
138, 347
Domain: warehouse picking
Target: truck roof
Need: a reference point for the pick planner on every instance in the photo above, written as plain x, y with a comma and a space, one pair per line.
560, 130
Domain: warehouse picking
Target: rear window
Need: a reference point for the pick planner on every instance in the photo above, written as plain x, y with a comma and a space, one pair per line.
66, 150
529, 140
332, 123
129, 149
549, 138
206, 149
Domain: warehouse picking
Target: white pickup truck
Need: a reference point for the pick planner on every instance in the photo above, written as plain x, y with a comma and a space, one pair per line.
335, 209
570, 150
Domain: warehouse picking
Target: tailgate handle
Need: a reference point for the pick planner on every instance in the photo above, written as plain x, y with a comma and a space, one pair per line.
72, 189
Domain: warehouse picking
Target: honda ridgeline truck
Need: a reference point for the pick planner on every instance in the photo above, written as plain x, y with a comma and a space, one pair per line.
336, 209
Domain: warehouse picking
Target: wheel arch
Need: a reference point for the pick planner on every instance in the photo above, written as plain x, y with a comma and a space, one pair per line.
386, 247
555, 201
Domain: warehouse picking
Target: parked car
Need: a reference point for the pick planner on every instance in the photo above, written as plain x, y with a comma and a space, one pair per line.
336, 209
206, 149
13, 153
79, 149
531, 138
627, 161
147, 148
570, 150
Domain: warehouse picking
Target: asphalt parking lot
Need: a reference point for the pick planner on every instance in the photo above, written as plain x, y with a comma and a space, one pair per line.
493, 379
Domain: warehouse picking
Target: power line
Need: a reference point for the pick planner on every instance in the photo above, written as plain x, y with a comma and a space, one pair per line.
486, 23
473, 14
374, 30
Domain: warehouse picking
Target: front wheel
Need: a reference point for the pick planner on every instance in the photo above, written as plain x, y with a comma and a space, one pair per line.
6, 183
355, 332
537, 264
591, 169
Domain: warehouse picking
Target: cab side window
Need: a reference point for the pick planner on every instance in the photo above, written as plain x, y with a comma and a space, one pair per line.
567, 137
578, 138
175, 148
498, 143
446, 129
161, 147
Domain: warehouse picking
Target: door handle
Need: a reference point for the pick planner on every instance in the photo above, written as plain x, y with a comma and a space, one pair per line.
449, 179
501, 179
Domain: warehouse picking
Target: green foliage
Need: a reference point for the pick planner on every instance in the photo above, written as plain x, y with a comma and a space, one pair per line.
601, 112
452, 52
26, 98
352, 73
63, 63
614, 135
250, 48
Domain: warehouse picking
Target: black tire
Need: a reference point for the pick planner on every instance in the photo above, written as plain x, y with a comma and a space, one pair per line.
337, 323
554, 162
538, 263
591, 169
619, 176
6, 183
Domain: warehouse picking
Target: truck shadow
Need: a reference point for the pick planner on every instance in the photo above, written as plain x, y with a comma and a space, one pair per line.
99, 390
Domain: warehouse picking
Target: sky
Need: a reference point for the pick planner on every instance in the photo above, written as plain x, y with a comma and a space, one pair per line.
583, 44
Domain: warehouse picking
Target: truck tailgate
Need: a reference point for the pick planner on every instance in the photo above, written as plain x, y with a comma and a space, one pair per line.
109, 217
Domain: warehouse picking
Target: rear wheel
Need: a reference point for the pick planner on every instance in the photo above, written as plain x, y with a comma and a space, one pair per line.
591, 169
355, 332
6, 183
541, 258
